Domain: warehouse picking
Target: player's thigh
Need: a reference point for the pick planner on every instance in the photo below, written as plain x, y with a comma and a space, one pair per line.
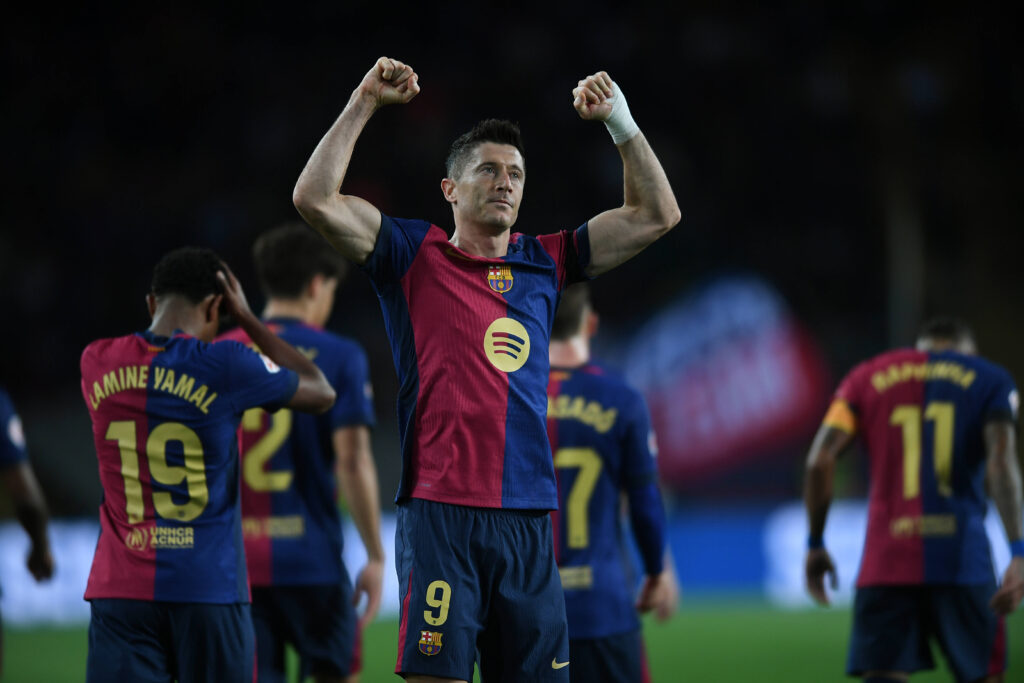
128, 641
527, 635
889, 630
971, 635
272, 632
441, 605
614, 659
213, 642
322, 626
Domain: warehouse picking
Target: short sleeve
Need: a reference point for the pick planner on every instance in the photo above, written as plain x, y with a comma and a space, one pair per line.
354, 405
1003, 401
845, 407
12, 440
255, 380
398, 241
570, 250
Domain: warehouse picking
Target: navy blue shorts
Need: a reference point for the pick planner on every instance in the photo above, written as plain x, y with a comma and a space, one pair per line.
318, 621
143, 641
892, 627
613, 659
479, 580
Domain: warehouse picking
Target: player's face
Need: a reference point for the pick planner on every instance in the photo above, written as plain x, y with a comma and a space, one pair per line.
491, 185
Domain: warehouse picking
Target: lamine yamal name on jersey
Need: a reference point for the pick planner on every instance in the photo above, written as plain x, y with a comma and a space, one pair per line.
127, 377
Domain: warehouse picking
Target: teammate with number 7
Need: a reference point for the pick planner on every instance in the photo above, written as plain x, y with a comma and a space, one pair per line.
168, 587
469, 317
938, 424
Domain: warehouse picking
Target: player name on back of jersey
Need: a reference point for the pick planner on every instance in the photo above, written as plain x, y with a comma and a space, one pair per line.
590, 413
126, 377
897, 373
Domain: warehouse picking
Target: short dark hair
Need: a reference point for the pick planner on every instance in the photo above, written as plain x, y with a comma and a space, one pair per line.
289, 256
946, 328
190, 272
569, 316
489, 130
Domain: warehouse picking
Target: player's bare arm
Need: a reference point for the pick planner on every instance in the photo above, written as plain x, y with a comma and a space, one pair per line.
30, 509
1003, 477
357, 479
649, 208
828, 444
349, 223
314, 393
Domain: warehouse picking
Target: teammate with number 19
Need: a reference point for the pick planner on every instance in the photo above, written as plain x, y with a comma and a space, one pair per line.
469, 318
938, 424
302, 594
604, 449
168, 587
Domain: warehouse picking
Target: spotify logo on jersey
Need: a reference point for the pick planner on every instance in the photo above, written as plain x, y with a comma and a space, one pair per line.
507, 344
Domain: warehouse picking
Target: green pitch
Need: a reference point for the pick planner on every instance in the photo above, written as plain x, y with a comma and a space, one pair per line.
723, 642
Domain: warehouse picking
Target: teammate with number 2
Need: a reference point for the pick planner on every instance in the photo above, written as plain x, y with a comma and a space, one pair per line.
168, 587
469, 318
938, 424
302, 594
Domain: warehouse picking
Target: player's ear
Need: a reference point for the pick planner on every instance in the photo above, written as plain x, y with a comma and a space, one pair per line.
151, 304
314, 286
592, 323
448, 190
210, 306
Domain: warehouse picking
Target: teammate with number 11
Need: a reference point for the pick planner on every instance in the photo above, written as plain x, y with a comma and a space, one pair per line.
168, 586
938, 423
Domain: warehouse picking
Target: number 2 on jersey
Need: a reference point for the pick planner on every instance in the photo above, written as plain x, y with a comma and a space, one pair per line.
193, 473
254, 464
908, 418
588, 461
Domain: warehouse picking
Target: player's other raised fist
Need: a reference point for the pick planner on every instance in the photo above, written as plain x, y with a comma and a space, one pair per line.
594, 96
390, 82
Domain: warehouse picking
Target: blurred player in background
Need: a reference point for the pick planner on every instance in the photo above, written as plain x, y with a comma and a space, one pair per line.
21, 487
302, 593
603, 447
938, 423
168, 586
463, 314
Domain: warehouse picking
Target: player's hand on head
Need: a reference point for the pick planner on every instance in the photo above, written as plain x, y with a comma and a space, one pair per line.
369, 583
1011, 592
233, 297
390, 82
593, 97
817, 565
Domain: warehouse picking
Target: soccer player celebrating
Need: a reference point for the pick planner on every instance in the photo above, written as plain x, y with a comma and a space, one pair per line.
603, 448
469, 318
301, 593
938, 423
168, 587
20, 484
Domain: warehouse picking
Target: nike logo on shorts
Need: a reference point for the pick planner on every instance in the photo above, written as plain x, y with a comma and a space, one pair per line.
555, 664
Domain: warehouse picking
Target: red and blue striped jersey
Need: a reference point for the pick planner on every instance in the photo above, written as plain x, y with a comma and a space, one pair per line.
603, 447
469, 338
921, 417
165, 415
12, 438
290, 517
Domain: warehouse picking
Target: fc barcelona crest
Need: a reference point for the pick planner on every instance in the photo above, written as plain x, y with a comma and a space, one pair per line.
500, 278
430, 642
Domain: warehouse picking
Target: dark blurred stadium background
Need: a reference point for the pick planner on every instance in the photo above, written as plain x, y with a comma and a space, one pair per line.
843, 171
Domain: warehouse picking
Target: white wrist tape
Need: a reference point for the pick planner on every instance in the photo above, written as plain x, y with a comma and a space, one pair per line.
620, 124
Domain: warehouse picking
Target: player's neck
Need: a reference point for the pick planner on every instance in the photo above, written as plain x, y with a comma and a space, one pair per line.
167, 320
570, 353
300, 309
481, 240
